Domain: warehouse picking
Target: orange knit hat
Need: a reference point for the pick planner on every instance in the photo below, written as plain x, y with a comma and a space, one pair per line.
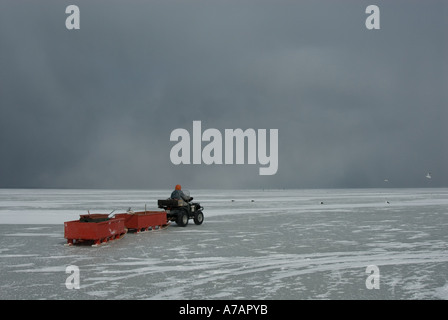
178, 187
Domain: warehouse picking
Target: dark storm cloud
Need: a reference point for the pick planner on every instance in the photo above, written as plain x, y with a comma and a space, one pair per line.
95, 107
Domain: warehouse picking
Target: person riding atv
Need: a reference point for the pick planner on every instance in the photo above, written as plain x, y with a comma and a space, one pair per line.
178, 194
180, 209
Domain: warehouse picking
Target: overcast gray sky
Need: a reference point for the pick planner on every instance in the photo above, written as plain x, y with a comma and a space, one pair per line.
94, 108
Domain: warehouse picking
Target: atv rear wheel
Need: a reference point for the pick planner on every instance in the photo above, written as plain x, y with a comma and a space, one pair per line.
182, 218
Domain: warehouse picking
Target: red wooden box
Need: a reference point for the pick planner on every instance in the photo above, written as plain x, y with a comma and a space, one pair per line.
98, 232
144, 220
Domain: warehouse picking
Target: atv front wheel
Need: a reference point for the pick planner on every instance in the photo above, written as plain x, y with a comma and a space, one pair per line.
198, 218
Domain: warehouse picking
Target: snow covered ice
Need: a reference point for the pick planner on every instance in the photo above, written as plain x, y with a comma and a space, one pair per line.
253, 244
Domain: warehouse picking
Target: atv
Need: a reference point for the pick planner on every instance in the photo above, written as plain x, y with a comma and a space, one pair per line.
182, 211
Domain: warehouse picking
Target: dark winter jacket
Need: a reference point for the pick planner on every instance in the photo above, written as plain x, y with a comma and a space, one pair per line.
178, 195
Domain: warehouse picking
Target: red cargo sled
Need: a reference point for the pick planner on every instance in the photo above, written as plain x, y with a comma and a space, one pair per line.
144, 220
94, 228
